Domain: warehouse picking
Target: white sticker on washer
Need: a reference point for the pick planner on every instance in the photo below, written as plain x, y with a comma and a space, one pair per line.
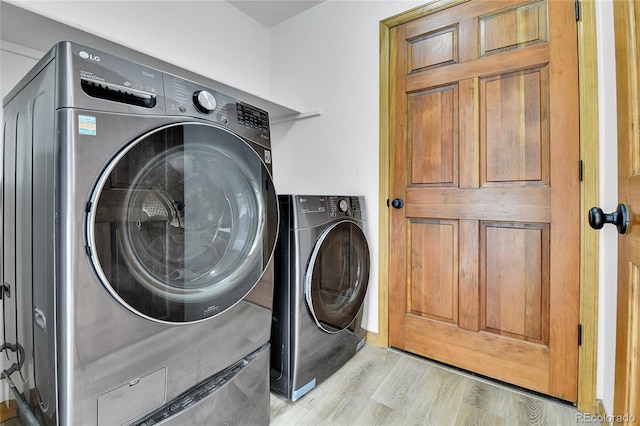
87, 125
267, 156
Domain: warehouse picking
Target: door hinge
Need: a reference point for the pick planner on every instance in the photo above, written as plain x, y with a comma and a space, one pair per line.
580, 170
579, 334
577, 10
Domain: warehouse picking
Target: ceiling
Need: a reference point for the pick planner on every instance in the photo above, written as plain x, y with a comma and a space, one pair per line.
272, 12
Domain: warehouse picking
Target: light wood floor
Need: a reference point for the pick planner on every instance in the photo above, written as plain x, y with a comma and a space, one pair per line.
387, 387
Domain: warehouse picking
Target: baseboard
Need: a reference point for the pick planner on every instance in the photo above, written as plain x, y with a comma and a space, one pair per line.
371, 338
8, 410
602, 412
599, 417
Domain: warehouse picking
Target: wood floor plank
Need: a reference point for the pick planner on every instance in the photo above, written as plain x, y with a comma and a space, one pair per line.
471, 416
345, 401
374, 413
403, 382
388, 387
446, 404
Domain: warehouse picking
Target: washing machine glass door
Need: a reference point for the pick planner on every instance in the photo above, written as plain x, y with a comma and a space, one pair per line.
182, 222
337, 276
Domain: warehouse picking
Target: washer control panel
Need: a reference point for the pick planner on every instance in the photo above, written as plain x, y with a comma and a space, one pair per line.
101, 81
191, 99
184, 97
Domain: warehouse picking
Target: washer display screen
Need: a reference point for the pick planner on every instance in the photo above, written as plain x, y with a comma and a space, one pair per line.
180, 226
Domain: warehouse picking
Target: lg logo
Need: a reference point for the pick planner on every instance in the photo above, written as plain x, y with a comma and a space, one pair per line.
85, 55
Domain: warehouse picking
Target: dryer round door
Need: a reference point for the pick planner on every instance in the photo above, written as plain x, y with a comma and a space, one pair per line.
337, 276
182, 222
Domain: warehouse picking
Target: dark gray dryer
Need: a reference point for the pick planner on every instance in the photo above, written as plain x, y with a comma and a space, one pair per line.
322, 274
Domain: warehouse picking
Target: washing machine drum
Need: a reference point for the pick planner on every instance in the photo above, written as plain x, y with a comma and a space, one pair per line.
183, 222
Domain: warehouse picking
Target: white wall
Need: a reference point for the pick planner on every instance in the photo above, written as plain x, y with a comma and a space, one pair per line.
608, 202
328, 59
15, 61
211, 38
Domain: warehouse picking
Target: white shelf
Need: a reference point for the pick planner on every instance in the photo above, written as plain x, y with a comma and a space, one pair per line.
297, 116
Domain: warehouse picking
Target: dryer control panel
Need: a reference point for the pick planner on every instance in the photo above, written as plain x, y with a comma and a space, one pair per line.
314, 210
343, 206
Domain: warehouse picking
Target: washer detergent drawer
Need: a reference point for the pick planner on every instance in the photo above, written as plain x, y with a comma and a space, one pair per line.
131, 400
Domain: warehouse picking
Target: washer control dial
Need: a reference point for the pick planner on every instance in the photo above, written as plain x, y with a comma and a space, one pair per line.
204, 101
343, 205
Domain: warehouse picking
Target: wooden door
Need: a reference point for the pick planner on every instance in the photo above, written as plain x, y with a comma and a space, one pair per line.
627, 380
484, 262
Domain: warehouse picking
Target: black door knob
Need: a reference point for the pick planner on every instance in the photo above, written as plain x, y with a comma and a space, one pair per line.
620, 218
397, 203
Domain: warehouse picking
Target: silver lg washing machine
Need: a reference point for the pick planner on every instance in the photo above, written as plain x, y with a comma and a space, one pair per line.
322, 274
139, 223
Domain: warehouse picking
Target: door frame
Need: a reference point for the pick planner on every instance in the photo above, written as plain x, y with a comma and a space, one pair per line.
589, 143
